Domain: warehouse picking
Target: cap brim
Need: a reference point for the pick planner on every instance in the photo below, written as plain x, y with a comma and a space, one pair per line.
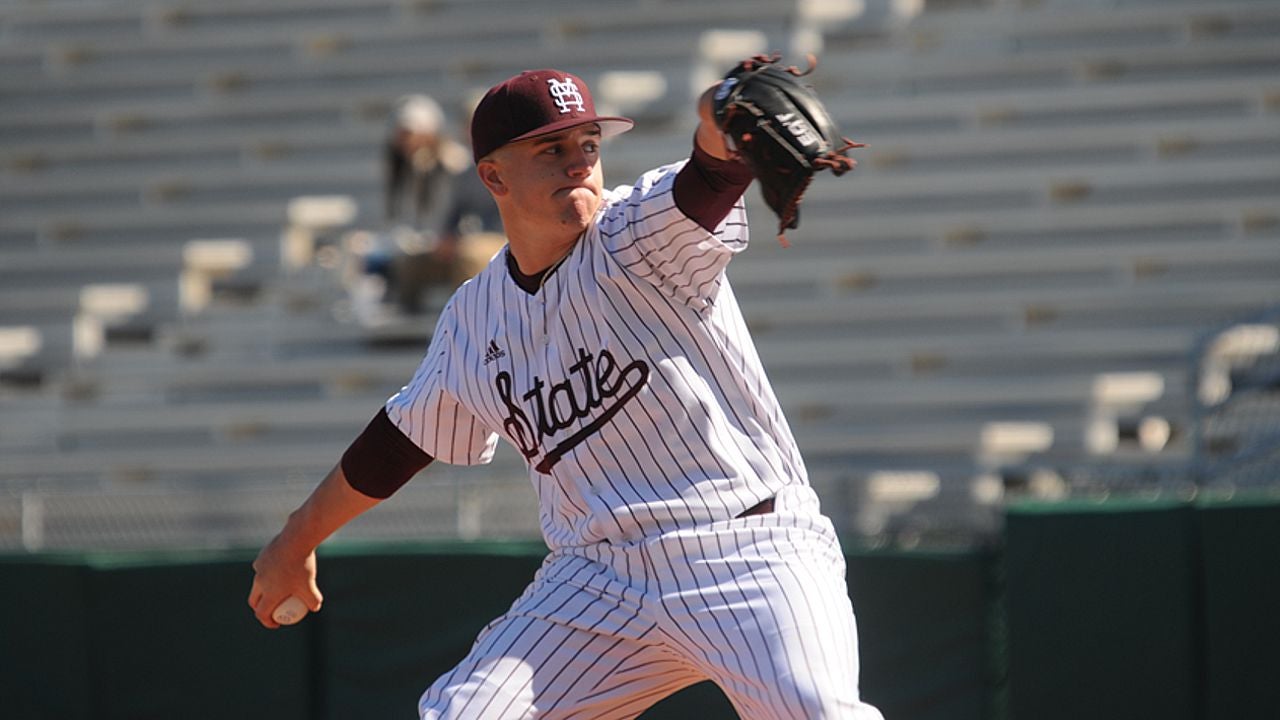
609, 126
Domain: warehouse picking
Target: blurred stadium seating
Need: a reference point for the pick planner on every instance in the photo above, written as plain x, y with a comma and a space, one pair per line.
1024, 289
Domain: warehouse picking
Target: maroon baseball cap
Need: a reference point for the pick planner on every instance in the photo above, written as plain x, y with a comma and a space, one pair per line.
533, 103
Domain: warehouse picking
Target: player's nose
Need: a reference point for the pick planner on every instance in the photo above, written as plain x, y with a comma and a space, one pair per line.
578, 162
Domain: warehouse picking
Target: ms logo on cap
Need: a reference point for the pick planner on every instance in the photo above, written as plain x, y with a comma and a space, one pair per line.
533, 103
566, 95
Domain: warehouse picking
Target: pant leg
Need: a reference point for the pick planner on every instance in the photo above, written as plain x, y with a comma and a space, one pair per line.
577, 644
760, 605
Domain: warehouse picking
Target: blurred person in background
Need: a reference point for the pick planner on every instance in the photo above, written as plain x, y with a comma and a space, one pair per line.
432, 206
421, 163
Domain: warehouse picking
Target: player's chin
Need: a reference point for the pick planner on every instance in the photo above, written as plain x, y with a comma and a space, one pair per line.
574, 221
580, 205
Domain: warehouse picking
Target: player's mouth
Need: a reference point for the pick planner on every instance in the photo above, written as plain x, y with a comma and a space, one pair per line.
574, 186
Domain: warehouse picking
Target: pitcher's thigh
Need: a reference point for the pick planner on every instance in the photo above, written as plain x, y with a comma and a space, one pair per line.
527, 667
778, 634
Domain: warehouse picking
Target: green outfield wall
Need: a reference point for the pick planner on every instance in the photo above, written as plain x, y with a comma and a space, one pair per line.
1239, 551
1102, 611
1114, 610
1126, 609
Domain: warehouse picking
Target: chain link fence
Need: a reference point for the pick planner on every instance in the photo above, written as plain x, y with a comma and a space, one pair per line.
444, 507
1236, 419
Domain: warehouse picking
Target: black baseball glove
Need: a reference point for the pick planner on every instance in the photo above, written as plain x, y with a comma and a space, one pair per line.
781, 129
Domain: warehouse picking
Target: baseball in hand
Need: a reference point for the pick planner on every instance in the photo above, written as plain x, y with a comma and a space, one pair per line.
290, 611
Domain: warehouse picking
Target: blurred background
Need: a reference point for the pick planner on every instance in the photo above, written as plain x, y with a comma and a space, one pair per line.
1055, 272
226, 228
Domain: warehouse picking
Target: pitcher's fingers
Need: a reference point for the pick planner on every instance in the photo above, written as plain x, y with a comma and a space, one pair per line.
263, 605
314, 598
262, 611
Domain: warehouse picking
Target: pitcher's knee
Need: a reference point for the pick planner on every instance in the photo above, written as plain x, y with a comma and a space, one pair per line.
812, 701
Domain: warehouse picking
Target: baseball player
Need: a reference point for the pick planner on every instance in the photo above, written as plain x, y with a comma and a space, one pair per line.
605, 344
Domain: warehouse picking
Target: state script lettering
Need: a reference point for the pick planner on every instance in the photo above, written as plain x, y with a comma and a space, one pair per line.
594, 381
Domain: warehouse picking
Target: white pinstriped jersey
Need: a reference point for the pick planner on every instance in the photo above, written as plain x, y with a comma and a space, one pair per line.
628, 381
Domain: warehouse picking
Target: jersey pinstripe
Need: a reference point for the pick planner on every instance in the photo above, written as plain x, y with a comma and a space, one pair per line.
628, 381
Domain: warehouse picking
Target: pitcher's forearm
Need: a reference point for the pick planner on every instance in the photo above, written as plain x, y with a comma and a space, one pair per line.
332, 504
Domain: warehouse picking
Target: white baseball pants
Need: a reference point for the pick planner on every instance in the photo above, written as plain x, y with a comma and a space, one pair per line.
757, 604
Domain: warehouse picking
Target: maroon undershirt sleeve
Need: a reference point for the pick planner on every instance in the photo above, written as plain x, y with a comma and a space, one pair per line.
382, 458
706, 188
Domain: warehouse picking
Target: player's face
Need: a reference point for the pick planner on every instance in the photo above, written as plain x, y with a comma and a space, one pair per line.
555, 180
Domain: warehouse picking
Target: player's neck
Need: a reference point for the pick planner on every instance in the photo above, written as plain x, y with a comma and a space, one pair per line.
534, 257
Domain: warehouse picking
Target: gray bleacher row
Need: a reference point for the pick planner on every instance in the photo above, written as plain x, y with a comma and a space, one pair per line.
191, 37
151, 103
1203, 59
138, 20
1035, 209
456, 42
985, 155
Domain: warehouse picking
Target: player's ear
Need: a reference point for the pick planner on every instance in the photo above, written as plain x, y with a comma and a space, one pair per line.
490, 172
